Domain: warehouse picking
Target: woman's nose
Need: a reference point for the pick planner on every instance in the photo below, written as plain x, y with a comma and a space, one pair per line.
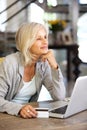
45, 40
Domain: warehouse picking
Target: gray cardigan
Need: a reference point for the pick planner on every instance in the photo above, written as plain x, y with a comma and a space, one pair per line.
11, 72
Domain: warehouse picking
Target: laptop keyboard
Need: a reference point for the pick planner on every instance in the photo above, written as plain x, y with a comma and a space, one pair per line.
60, 110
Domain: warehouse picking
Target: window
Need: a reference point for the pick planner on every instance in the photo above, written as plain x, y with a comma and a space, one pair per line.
82, 37
2, 15
83, 1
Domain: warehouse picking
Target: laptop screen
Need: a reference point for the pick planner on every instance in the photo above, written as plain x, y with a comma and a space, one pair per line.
60, 110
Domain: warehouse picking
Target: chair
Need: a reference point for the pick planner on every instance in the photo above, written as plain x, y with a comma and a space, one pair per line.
1, 59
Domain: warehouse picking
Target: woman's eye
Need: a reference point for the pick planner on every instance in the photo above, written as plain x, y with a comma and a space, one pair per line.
41, 38
38, 38
45, 37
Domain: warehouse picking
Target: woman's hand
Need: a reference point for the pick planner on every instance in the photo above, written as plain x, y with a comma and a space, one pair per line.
51, 59
28, 111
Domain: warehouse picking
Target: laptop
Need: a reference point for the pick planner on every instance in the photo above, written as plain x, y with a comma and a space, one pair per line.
77, 103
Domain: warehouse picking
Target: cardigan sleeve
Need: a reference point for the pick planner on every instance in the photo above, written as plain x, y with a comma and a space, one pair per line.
7, 87
53, 81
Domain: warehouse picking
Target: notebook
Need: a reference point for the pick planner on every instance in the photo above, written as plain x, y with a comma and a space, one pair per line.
77, 103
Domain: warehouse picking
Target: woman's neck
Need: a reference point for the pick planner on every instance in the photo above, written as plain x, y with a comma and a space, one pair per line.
29, 72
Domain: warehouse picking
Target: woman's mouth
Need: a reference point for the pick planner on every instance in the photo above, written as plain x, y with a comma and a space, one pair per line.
44, 47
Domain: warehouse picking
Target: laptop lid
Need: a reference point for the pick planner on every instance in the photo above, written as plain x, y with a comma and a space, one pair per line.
78, 101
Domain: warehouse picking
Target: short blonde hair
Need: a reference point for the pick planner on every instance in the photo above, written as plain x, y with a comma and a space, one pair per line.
25, 37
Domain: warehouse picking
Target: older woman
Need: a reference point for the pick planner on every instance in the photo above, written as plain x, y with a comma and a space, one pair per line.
23, 73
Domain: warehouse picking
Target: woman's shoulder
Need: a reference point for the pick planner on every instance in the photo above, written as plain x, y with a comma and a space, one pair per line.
13, 59
13, 54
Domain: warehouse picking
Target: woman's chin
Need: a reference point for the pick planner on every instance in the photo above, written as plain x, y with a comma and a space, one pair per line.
45, 51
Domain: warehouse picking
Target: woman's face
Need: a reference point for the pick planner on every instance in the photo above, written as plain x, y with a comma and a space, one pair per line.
40, 45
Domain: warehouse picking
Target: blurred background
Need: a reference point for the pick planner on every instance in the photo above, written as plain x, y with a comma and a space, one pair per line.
66, 22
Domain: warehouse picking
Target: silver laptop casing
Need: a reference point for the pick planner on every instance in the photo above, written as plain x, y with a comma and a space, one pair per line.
78, 100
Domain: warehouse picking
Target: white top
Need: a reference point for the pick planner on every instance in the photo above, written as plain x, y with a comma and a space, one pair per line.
26, 92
